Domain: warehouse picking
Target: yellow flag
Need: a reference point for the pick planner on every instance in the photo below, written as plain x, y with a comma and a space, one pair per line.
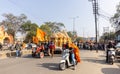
40, 35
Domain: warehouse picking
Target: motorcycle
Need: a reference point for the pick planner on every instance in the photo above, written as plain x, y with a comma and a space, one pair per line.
36, 53
66, 61
111, 55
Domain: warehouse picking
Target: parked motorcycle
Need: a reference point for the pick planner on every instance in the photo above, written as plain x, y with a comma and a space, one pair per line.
66, 60
111, 55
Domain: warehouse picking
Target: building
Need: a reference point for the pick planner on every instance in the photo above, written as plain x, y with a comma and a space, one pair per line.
4, 37
60, 37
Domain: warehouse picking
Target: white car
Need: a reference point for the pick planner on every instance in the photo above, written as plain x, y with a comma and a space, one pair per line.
117, 45
33, 45
117, 49
30, 45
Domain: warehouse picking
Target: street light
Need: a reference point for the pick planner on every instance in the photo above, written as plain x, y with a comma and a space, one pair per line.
74, 32
74, 19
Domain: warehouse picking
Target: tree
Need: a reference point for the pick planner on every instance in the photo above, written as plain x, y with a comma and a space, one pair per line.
13, 23
29, 36
46, 29
72, 35
107, 36
10, 31
55, 27
28, 26
115, 19
29, 29
79, 39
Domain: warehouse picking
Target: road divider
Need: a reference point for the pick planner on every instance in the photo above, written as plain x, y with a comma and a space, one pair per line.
7, 54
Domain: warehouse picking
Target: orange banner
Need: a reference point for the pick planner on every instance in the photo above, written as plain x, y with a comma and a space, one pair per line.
35, 40
40, 35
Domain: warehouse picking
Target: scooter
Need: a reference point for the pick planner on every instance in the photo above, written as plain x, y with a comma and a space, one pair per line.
66, 61
111, 55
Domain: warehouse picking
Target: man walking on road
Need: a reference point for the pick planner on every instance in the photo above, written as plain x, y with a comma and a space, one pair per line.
52, 48
18, 49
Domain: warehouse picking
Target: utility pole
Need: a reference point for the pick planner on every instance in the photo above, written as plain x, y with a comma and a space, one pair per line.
95, 12
73, 24
83, 32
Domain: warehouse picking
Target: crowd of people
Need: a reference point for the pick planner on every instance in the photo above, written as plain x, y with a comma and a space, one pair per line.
49, 47
91, 45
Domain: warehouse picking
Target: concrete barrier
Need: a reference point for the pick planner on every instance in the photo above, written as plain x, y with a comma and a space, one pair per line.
24, 52
6, 54
3, 55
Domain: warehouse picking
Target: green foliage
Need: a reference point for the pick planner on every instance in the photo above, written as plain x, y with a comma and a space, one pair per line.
29, 36
46, 29
51, 27
79, 39
28, 26
55, 27
12, 23
108, 36
114, 19
72, 35
29, 29
10, 31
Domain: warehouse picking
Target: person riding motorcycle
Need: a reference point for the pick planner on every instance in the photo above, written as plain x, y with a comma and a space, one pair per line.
71, 52
68, 58
110, 45
72, 56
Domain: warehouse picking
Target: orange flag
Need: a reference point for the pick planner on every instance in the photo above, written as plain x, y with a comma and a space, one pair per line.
35, 40
76, 52
40, 35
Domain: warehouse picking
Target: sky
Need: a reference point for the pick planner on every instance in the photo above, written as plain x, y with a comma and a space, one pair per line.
40, 11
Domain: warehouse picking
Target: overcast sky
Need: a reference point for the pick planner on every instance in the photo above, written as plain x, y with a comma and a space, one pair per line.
40, 11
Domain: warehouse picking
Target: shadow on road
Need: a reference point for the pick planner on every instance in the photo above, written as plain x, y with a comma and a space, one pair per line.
94, 60
111, 71
46, 56
27, 56
51, 66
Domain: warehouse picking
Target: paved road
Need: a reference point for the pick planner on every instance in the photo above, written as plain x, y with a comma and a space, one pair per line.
92, 63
